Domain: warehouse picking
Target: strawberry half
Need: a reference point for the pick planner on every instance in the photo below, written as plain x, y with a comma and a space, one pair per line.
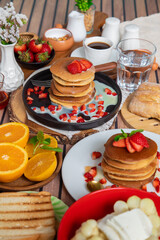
136, 146
119, 143
129, 146
140, 139
86, 63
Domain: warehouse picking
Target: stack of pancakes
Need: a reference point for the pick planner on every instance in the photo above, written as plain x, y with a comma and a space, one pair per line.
71, 89
129, 169
26, 216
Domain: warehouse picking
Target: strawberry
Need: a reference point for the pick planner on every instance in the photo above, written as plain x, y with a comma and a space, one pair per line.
136, 146
36, 88
42, 88
93, 171
114, 94
26, 56
75, 108
86, 63
88, 176
63, 116
41, 57
156, 182
108, 91
42, 108
158, 155
20, 46
86, 112
34, 109
119, 143
30, 102
140, 139
91, 105
103, 181
96, 155
29, 99
144, 187
81, 120
51, 107
84, 68
74, 67
59, 107
100, 102
129, 146
42, 95
83, 107
46, 48
35, 45
92, 110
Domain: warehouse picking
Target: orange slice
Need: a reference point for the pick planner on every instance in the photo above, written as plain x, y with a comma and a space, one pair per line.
29, 146
41, 166
14, 132
13, 161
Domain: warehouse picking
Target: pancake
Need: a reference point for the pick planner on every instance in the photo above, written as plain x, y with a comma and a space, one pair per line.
122, 154
70, 89
59, 69
73, 83
70, 101
141, 164
81, 94
132, 173
131, 184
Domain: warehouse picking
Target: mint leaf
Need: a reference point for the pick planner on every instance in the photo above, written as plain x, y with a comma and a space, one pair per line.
40, 137
135, 131
33, 140
52, 149
47, 141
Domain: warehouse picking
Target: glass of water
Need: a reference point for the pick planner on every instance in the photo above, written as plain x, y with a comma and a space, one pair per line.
134, 63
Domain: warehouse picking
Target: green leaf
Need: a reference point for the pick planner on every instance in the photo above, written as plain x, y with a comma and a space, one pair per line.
118, 137
33, 140
52, 149
47, 141
135, 131
40, 137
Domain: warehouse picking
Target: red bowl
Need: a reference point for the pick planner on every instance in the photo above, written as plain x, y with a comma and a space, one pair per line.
96, 205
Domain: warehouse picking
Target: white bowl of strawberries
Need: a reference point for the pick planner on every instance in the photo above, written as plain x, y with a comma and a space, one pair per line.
33, 54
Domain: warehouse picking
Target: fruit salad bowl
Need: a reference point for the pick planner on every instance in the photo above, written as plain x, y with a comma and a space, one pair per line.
35, 65
97, 205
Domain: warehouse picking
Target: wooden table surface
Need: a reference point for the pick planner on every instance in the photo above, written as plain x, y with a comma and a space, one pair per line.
44, 14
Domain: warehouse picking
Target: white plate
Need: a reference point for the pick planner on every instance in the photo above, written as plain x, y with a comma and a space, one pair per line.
79, 52
79, 156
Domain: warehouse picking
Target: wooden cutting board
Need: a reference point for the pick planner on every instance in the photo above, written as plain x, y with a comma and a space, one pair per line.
138, 122
16, 107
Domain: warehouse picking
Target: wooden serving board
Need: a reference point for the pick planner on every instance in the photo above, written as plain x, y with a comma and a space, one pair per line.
138, 122
16, 107
23, 184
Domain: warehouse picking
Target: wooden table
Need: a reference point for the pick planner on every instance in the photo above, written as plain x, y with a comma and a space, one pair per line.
44, 14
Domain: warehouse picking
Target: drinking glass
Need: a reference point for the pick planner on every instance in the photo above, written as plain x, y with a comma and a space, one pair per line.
3, 95
134, 63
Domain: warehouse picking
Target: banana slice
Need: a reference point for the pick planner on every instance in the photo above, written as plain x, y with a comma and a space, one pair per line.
133, 202
120, 207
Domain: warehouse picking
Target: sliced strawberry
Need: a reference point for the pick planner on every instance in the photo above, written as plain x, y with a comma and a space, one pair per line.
74, 111
69, 120
99, 164
97, 97
158, 155
91, 105
84, 68
73, 117
144, 187
136, 146
96, 155
42, 88
100, 102
156, 182
88, 176
53, 112
42, 95
86, 112
29, 99
119, 143
75, 108
59, 107
108, 91
81, 120
103, 181
93, 171
30, 102
74, 67
129, 146
36, 88
86, 63
140, 139
100, 108
83, 107
105, 114
92, 110
30, 90
63, 116
78, 65
114, 93
34, 108
42, 108
51, 107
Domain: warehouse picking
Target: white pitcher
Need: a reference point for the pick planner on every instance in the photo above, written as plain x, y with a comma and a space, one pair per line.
76, 26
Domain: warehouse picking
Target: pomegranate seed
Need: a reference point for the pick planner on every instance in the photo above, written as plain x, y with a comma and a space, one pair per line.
113, 186
42, 88
42, 108
144, 187
69, 120
36, 88
114, 93
53, 112
103, 181
100, 96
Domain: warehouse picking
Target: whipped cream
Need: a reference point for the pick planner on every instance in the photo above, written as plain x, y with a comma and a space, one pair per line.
130, 225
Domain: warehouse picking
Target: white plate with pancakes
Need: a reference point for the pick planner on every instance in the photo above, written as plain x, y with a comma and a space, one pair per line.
79, 52
79, 157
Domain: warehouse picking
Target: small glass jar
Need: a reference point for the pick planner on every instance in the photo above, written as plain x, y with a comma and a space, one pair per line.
88, 17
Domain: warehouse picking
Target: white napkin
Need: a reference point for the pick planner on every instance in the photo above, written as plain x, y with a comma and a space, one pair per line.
149, 30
